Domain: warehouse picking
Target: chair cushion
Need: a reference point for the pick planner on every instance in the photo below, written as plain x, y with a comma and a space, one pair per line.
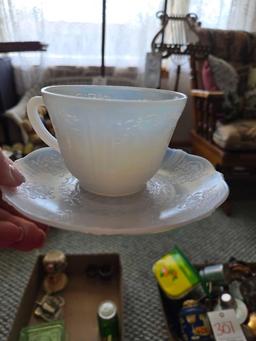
224, 74
239, 135
232, 80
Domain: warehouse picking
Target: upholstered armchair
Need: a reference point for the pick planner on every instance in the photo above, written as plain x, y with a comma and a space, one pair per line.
224, 95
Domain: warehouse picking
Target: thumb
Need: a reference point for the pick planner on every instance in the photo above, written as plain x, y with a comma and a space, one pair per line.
10, 176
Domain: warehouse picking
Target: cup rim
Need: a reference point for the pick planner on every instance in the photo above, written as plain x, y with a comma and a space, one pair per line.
180, 96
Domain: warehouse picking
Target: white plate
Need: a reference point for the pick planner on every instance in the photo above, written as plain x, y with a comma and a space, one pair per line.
186, 188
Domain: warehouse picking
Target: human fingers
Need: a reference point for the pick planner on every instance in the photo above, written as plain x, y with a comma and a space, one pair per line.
12, 210
33, 236
9, 234
9, 174
30, 235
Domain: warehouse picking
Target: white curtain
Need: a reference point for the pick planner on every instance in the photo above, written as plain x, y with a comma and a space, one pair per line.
73, 29
212, 14
131, 26
242, 15
226, 14
16, 18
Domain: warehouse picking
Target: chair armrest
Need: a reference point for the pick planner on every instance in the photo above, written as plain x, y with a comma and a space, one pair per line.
206, 94
207, 110
16, 115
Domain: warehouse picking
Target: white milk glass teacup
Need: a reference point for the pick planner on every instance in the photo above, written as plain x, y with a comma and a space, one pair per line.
112, 138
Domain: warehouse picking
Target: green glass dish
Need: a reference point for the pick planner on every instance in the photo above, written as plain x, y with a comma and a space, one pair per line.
52, 331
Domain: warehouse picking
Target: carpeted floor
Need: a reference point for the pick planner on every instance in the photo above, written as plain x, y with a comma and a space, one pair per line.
214, 239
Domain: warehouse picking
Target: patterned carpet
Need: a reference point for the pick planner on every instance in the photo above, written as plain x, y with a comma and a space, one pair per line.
214, 239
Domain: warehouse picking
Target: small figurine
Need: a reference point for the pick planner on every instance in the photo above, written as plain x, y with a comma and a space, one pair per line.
49, 308
54, 263
194, 322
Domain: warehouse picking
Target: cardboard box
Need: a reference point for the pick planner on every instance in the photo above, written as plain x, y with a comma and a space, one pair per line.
82, 296
171, 308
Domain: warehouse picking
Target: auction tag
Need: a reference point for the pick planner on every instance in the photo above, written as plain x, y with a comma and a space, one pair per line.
153, 70
225, 325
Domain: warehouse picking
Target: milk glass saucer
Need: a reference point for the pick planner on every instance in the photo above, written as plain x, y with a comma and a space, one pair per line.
186, 188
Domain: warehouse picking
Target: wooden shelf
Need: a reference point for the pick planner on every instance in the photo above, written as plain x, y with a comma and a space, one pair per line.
22, 46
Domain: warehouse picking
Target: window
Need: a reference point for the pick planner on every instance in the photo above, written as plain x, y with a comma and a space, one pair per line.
73, 29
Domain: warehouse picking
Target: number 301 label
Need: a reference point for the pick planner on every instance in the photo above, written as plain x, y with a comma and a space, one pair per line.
225, 326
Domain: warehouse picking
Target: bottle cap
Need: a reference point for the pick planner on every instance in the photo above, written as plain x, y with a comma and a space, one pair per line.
213, 273
227, 301
107, 310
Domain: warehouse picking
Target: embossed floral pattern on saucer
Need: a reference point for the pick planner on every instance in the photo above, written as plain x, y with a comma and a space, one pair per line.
186, 188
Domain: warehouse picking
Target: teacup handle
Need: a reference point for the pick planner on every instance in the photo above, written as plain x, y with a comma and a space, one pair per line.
37, 124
